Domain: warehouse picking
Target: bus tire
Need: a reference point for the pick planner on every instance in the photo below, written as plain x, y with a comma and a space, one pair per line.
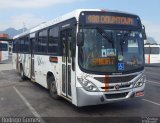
53, 88
23, 77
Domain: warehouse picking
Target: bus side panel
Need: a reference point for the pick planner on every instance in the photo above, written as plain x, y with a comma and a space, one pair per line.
41, 65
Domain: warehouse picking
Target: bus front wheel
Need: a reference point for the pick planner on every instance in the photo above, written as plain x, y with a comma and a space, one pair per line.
53, 88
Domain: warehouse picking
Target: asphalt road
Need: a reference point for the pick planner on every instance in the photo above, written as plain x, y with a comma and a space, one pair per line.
27, 99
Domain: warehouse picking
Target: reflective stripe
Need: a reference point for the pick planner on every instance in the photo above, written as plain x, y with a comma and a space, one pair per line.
107, 83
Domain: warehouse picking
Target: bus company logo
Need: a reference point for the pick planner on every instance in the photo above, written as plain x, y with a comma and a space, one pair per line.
19, 57
39, 60
117, 87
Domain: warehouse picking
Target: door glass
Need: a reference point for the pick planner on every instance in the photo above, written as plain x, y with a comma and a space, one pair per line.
66, 62
32, 57
69, 49
64, 49
69, 80
63, 78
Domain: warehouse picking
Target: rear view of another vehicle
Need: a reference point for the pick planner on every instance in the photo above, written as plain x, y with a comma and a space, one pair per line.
152, 54
3, 51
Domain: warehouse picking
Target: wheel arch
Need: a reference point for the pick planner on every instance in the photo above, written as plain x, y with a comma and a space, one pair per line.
20, 67
49, 74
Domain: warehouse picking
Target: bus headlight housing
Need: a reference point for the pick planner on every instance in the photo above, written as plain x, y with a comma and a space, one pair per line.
140, 82
87, 85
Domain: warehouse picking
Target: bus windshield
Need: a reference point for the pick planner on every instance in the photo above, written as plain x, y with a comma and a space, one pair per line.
111, 51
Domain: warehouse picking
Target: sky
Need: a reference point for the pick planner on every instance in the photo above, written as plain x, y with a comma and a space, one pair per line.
29, 13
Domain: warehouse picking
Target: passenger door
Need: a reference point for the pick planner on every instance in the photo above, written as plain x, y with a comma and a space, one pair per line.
32, 50
66, 39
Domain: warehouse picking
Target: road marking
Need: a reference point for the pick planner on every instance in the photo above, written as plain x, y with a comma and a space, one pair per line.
152, 73
29, 105
151, 102
148, 81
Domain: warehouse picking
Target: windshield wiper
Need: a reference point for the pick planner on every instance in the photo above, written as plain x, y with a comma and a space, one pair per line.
124, 39
105, 35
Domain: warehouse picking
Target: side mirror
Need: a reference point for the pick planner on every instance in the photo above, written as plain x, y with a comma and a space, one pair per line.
80, 39
144, 33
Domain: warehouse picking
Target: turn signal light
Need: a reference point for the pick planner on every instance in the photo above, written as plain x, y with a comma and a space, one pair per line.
53, 59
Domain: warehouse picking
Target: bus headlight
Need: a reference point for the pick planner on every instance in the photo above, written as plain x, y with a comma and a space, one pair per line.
87, 85
140, 82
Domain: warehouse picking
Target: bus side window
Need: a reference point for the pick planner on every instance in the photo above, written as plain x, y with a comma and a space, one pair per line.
53, 40
42, 41
26, 44
21, 45
18, 46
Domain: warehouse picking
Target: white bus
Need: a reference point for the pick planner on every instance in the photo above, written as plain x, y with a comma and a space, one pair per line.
4, 51
152, 53
85, 56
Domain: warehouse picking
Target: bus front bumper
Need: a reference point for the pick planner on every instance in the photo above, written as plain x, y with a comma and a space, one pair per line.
85, 98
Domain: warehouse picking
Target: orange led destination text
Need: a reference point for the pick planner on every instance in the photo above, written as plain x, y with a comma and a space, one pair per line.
103, 61
110, 20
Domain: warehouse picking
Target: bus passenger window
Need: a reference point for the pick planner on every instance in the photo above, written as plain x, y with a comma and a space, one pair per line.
42, 45
53, 40
26, 44
21, 45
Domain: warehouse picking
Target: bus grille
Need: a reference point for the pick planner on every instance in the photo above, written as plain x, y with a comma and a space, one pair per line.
120, 87
116, 79
117, 95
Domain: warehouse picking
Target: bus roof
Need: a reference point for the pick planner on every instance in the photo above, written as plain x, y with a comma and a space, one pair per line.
67, 16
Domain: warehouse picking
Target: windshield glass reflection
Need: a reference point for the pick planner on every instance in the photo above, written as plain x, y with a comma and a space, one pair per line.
111, 50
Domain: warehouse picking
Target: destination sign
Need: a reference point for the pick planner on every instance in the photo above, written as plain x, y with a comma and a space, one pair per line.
103, 61
106, 19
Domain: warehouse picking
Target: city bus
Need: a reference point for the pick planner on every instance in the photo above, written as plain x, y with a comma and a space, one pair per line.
88, 56
4, 51
152, 53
